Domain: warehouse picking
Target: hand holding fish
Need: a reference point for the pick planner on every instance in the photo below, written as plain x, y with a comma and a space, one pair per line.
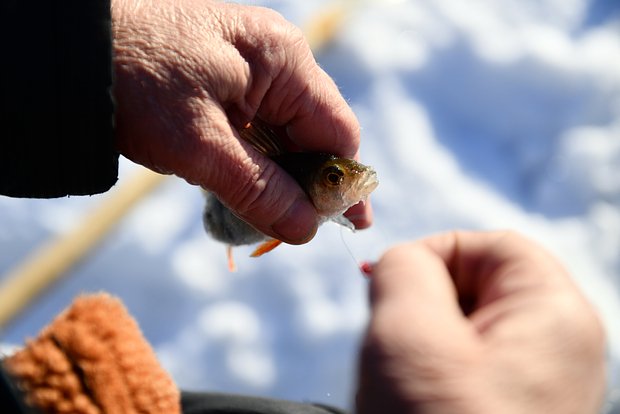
191, 74
479, 323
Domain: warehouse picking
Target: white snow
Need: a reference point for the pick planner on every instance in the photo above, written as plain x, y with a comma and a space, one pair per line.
476, 114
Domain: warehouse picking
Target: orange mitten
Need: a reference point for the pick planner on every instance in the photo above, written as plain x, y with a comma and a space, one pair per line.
93, 359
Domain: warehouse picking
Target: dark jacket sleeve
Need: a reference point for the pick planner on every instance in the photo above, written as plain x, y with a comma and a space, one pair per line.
215, 403
56, 122
11, 398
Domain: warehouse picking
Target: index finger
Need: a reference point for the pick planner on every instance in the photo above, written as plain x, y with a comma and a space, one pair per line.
476, 259
325, 123
309, 104
494, 271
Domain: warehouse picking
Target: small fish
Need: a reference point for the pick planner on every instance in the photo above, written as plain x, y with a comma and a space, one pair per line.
333, 184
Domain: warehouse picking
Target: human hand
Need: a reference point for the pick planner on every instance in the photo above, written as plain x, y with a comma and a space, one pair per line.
190, 73
522, 340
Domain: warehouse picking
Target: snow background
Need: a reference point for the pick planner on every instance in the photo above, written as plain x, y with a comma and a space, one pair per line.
479, 115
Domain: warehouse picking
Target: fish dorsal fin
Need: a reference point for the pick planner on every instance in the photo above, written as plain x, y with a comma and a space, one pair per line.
262, 138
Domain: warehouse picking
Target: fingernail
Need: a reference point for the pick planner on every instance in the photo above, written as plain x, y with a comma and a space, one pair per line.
299, 223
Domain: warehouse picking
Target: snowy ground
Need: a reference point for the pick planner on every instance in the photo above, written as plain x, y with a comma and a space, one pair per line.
480, 114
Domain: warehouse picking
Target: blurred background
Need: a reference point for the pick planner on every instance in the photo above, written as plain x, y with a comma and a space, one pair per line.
482, 114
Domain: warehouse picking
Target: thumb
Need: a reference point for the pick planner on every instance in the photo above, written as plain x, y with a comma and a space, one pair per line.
411, 286
254, 187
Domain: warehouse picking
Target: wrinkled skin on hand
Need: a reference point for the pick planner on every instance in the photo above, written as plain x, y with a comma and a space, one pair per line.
479, 323
190, 73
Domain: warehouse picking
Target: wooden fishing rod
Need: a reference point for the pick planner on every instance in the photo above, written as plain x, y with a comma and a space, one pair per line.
51, 261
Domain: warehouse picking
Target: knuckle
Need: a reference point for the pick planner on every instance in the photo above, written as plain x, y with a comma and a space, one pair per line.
270, 40
510, 237
578, 325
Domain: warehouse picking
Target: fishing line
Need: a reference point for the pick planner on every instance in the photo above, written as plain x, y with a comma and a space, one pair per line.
380, 243
351, 254
364, 267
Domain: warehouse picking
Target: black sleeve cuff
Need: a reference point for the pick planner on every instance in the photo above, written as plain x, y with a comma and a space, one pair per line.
216, 403
56, 122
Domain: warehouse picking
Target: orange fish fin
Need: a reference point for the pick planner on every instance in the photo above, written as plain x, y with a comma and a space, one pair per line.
232, 267
266, 247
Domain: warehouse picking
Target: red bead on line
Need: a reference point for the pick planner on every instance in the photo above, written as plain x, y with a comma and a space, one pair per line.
366, 268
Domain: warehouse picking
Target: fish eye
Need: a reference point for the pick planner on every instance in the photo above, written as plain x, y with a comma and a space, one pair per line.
334, 175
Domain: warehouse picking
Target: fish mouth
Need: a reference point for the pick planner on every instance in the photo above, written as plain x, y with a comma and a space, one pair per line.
371, 182
366, 185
